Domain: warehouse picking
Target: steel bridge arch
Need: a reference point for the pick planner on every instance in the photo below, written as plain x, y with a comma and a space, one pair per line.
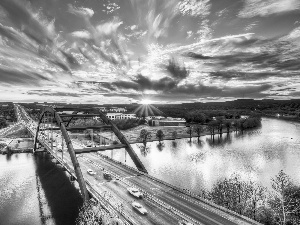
70, 147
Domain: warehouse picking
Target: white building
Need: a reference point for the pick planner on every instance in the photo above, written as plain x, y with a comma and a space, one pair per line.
126, 116
120, 116
116, 109
103, 109
169, 122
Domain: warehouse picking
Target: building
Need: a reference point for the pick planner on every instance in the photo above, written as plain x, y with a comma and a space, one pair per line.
116, 109
103, 109
126, 116
154, 117
169, 122
120, 116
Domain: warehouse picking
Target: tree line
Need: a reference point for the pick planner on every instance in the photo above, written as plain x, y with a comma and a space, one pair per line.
280, 205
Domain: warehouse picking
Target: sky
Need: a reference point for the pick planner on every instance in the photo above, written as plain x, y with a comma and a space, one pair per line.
165, 51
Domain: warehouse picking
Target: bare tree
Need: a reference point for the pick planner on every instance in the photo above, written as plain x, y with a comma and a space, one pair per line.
256, 199
212, 125
174, 134
145, 136
190, 131
228, 125
198, 130
282, 199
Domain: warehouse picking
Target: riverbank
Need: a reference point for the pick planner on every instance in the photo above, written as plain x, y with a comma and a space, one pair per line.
133, 134
288, 118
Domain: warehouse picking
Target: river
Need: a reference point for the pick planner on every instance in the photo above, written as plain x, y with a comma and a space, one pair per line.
34, 191
254, 155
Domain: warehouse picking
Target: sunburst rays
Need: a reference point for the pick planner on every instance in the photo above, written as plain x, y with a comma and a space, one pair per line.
148, 110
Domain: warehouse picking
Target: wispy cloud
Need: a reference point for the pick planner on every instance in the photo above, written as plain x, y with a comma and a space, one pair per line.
197, 8
254, 8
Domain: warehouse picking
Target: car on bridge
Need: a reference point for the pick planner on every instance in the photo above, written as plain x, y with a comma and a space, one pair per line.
139, 208
135, 192
107, 176
91, 172
89, 144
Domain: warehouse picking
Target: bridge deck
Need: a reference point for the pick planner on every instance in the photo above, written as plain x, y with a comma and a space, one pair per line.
101, 148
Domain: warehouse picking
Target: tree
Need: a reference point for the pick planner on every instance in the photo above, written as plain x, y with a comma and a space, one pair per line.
196, 117
236, 125
283, 201
198, 130
220, 121
190, 131
160, 135
174, 134
2, 123
145, 136
212, 125
256, 195
228, 125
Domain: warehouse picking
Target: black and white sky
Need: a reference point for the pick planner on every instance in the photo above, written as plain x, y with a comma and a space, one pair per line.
167, 51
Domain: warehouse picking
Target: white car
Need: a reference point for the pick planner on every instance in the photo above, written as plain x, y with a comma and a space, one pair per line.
139, 208
135, 192
91, 172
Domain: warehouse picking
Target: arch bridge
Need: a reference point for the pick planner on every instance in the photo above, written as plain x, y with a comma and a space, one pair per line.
59, 119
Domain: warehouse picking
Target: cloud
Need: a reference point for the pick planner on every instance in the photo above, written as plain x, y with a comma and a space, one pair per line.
195, 91
189, 33
264, 8
82, 34
242, 76
111, 7
103, 40
80, 11
205, 32
177, 72
156, 16
21, 78
196, 56
251, 26
32, 32
195, 8
54, 93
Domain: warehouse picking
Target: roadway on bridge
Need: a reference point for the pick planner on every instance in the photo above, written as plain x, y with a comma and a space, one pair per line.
164, 204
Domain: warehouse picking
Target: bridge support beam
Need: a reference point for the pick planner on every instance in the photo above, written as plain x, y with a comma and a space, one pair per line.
70, 148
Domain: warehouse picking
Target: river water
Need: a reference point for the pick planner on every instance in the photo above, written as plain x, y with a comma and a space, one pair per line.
33, 188
255, 155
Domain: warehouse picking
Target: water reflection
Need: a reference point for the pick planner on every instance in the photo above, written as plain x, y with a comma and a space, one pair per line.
34, 190
144, 149
58, 190
160, 146
218, 140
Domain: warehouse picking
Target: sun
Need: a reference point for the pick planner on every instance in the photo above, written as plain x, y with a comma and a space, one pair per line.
146, 101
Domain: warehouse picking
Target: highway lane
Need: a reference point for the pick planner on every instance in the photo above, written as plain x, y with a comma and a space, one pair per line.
118, 190
191, 207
